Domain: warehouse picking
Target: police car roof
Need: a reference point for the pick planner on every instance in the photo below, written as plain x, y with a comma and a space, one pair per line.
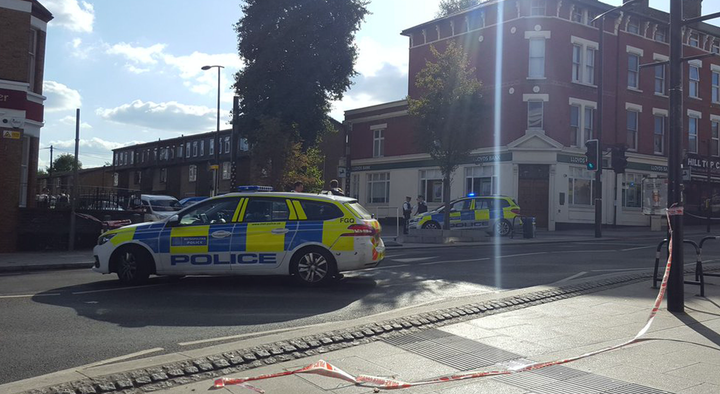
291, 195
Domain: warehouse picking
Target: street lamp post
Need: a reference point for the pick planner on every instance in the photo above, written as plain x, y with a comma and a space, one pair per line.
216, 178
598, 133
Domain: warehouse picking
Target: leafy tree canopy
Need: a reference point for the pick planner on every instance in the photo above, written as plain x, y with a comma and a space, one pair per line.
299, 56
449, 7
65, 162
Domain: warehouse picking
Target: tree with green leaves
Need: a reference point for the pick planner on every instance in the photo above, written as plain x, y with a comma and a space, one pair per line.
299, 56
65, 162
449, 7
448, 113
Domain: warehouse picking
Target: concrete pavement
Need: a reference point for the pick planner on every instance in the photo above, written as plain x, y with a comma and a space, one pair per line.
679, 354
34, 261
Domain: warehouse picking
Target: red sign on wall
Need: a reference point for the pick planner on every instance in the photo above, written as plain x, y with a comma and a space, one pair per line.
13, 99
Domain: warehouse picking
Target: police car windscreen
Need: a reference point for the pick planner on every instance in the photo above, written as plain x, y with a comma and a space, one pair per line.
358, 210
165, 205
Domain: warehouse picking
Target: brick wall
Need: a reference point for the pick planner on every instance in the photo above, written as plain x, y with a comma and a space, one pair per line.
14, 26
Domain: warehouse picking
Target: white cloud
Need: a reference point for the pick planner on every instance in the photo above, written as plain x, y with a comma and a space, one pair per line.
138, 54
78, 50
73, 15
60, 97
369, 51
70, 121
136, 70
95, 143
171, 116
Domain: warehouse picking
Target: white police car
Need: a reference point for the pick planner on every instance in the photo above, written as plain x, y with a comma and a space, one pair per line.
311, 237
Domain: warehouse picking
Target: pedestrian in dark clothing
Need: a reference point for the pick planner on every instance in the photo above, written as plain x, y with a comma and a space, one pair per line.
407, 211
421, 205
335, 188
299, 187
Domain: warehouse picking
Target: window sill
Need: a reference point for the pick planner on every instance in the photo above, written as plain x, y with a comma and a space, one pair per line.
584, 84
695, 98
661, 95
536, 78
632, 89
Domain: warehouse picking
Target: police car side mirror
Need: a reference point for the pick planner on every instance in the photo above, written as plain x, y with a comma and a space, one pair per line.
173, 221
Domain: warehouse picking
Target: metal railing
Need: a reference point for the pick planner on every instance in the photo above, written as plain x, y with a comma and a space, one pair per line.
699, 275
90, 198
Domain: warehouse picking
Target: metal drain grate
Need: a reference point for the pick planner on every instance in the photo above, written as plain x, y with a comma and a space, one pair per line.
526, 380
597, 382
560, 387
465, 362
559, 372
404, 340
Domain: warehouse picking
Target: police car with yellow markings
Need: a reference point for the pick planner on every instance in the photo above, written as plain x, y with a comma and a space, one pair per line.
494, 213
254, 232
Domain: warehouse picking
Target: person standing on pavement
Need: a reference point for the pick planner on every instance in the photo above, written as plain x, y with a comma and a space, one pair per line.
421, 205
335, 188
407, 211
299, 187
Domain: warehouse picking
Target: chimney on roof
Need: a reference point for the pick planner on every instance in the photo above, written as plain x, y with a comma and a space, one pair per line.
692, 8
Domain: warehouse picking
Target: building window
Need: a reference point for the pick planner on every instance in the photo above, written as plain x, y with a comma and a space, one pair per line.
660, 79
211, 149
716, 87
693, 135
694, 40
226, 170
180, 151
661, 34
715, 144
585, 116
379, 143
132, 157
172, 152
187, 150
633, 70
480, 181
632, 129
633, 26
202, 148
162, 153
580, 187
138, 177
378, 188
32, 58
116, 179
577, 14
537, 8
244, 145
659, 134
694, 81
537, 58
632, 190
535, 115
163, 175
192, 173
431, 185
155, 154
195, 148
715, 47
227, 144
583, 69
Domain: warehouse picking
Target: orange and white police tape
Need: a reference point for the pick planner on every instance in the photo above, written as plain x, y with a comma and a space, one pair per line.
326, 369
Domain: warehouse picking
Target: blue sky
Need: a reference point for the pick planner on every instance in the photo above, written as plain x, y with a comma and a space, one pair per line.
133, 67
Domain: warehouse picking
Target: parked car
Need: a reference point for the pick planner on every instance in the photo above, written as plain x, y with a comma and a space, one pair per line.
492, 213
154, 207
188, 201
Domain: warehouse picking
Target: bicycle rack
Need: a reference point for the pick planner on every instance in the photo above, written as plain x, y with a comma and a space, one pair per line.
699, 276
702, 241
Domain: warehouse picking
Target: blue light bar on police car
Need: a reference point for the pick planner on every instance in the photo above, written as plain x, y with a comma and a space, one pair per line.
255, 188
471, 195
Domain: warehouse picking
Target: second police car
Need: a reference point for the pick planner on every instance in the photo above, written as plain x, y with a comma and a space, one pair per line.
497, 214
311, 237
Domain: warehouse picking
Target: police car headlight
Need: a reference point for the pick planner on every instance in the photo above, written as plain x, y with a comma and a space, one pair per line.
105, 237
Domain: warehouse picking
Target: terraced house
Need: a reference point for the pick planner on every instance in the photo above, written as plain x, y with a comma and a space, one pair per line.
537, 62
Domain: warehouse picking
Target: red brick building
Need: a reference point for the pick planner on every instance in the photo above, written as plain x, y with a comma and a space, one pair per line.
23, 26
537, 62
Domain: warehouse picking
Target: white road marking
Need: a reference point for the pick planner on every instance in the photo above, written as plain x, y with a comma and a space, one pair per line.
620, 269
413, 259
383, 267
638, 248
117, 289
125, 357
579, 274
29, 295
522, 254
587, 251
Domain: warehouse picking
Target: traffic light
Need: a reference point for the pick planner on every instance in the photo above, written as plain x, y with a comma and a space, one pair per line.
593, 155
618, 160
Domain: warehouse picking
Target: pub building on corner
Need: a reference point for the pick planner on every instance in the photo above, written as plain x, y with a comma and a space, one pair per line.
539, 74
701, 188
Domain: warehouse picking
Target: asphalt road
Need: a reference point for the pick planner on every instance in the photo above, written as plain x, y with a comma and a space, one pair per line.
62, 319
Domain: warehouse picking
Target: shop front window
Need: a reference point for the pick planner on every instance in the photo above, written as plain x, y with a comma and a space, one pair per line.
580, 187
480, 181
632, 191
431, 185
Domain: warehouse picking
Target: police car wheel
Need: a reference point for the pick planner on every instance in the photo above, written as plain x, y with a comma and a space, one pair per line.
313, 267
431, 226
133, 265
502, 228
